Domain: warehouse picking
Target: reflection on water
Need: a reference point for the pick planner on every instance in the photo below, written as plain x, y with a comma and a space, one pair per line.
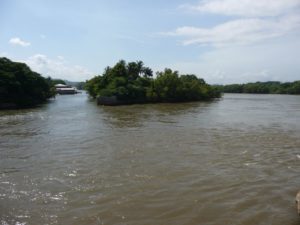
231, 161
140, 115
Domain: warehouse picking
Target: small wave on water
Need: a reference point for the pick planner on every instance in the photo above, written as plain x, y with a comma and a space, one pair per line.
211, 163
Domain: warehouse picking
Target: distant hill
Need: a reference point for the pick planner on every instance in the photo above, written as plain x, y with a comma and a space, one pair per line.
78, 85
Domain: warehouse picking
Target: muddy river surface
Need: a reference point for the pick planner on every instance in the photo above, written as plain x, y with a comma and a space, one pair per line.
231, 161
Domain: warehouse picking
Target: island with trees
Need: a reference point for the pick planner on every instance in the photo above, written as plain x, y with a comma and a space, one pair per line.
124, 83
131, 83
270, 87
20, 87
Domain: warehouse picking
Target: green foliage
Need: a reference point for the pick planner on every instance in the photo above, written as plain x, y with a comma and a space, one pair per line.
126, 81
20, 86
167, 85
270, 87
133, 83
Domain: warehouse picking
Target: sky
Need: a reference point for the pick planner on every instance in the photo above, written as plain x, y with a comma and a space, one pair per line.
222, 41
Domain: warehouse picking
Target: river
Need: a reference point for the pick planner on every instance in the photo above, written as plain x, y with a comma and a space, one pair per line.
235, 160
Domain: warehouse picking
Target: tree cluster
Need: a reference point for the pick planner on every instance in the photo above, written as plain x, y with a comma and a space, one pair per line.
20, 87
134, 83
270, 87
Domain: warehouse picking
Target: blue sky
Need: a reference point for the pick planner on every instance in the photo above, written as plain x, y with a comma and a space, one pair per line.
222, 41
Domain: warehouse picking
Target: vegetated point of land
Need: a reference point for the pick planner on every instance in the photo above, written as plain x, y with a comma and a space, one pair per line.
127, 83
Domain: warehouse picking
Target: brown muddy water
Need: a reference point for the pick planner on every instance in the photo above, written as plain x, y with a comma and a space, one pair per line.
231, 161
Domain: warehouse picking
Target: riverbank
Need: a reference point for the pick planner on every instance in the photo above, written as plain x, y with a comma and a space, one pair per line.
269, 87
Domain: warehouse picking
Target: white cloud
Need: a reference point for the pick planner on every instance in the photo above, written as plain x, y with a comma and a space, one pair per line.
42, 36
245, 8
257, 40
18, 41
60, 57
240, 31
57, 68
276, 60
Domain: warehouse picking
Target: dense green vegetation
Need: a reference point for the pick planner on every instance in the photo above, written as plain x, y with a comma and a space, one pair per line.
270, 87
134, 83
20, 87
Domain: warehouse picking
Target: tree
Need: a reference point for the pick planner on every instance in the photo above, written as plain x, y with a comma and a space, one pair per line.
167, 85
21, 87
269, 87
